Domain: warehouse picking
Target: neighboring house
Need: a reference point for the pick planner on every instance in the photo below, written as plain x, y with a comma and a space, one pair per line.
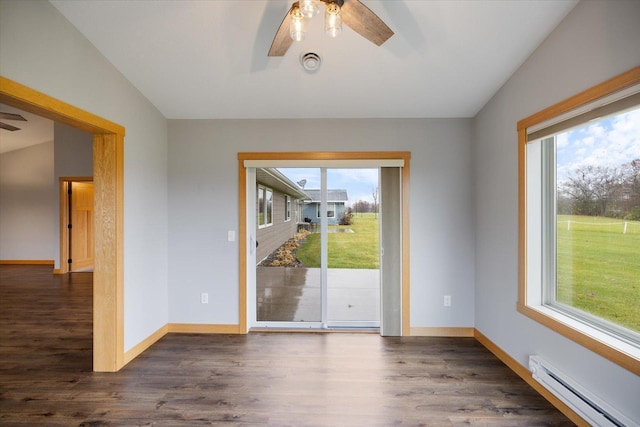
278, 210
336, 200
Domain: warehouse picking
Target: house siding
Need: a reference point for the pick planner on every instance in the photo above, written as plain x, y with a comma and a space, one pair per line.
273, 236
311, 212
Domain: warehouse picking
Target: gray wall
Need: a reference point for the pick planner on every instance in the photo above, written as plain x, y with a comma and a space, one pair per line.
596, 41
29, 193
27, 204
41, 49
203, 194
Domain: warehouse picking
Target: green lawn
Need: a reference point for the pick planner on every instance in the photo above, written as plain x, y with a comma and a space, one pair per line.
598, 269
359, 249
598, 266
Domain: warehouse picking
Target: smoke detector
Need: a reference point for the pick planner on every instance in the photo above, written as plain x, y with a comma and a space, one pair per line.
310, 61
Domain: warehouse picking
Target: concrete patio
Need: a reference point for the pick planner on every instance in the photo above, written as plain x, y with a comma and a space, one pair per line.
288, 294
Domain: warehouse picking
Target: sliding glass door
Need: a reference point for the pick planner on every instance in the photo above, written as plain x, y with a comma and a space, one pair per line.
317, 248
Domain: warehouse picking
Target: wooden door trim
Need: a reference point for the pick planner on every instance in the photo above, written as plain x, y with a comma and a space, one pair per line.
369, 155
63, 185
108, 167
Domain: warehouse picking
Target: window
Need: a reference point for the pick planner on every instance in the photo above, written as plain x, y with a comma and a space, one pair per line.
580, 218
331, 210
287, 208
265, 206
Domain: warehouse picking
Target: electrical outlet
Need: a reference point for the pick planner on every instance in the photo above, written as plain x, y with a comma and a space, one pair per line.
204, 298
447, 300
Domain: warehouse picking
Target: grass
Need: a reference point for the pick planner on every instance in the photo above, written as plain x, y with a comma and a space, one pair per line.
598, 268
359, 249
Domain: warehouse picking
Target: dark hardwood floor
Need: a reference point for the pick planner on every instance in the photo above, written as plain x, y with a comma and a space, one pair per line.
280, 379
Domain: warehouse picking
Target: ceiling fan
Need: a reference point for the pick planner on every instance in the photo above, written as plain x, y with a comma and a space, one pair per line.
352, 12
10, 116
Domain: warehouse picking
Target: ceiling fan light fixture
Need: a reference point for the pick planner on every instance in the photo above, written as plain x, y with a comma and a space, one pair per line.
332, 20
297, 25
309, 8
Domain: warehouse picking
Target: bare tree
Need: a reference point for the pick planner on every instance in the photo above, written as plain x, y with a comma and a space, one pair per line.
362, 206
591, 189
602, 191
374, 194
630, 192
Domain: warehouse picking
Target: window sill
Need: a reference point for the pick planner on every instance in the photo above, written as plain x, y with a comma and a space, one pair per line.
616, 350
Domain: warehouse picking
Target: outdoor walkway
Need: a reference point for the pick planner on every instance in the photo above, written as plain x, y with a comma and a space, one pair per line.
293, 294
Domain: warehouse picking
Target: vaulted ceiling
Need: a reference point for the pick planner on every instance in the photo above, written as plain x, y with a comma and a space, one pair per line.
208, 59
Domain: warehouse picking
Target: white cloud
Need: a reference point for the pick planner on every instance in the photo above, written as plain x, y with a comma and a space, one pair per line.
311, 175
562, 140
610, 142
363, 176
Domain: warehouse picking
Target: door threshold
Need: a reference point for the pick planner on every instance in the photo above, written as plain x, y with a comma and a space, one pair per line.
342, 330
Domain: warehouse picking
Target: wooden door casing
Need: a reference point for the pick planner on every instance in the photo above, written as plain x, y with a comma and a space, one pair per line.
81, 226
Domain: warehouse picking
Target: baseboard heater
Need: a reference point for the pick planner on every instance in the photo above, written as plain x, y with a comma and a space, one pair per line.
591, 408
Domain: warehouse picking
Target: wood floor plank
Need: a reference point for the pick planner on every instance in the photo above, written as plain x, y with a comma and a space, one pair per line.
261, 379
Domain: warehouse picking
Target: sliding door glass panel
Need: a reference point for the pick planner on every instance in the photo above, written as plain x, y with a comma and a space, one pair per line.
288, 275
353, 252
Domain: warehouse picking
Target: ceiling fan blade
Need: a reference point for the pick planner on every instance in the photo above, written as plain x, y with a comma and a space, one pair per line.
364, 22
8, 127
12, 116
282, 40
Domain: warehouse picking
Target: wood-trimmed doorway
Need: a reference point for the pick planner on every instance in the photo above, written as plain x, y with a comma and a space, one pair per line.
108, 175
69, 227
314, 157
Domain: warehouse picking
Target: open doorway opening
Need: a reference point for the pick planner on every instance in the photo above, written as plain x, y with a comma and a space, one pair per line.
108, 167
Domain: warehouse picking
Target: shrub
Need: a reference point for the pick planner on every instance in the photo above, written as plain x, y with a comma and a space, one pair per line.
633, 214
347, 217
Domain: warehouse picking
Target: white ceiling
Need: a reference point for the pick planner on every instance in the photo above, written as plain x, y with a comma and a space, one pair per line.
208, 59
36, 130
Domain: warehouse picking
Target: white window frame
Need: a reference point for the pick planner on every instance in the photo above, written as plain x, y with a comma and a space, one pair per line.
537, 283
287, 208
329, 210
266, 206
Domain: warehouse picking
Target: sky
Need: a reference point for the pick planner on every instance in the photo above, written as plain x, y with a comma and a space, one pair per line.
611, 141
359, 183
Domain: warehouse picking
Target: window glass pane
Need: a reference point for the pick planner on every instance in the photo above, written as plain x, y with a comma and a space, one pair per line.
331, 210
269, 200
598, 219
287, 207
261, 215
